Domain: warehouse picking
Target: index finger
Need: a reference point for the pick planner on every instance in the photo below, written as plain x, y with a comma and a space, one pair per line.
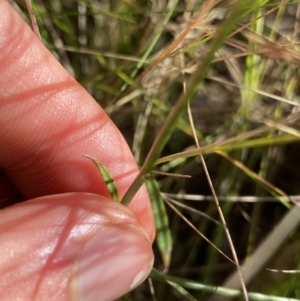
48, 121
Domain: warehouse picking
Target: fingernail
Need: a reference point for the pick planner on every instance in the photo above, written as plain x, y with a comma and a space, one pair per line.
114, 261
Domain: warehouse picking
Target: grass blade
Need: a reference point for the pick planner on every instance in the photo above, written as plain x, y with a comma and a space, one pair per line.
108, 179
163, 234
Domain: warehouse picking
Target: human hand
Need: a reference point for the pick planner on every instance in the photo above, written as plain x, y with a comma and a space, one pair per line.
67, 240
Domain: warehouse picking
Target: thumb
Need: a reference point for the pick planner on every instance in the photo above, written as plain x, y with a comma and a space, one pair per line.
74, 246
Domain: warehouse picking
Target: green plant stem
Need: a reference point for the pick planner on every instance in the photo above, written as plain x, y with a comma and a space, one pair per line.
164, 134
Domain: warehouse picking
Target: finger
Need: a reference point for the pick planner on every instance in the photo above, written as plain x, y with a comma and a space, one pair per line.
68, 247
48, 121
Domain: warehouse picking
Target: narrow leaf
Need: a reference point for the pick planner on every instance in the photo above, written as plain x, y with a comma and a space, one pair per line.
163, 234
108, 179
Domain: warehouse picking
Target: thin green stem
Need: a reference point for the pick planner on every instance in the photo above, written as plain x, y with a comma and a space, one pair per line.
164, 134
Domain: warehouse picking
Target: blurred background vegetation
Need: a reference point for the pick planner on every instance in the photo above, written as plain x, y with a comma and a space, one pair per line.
139, 59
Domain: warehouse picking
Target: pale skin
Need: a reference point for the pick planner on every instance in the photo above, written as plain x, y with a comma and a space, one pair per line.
67, 240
